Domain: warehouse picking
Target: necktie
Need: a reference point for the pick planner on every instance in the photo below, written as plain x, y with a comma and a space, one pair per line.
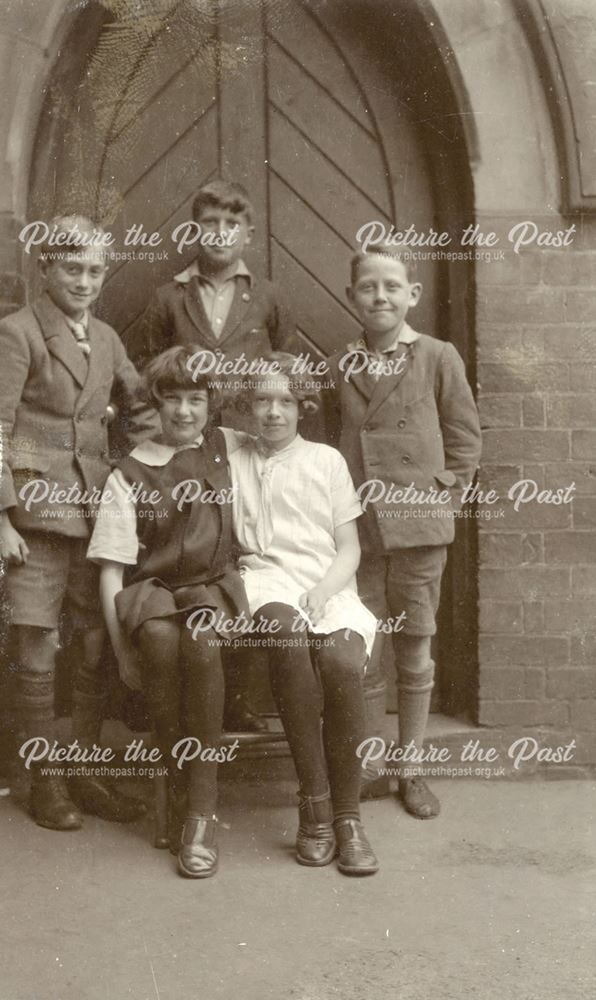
79, 332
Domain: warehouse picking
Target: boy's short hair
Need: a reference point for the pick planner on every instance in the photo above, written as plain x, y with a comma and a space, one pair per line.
73, 224
382, 250
302, 386
169, 370
223, 194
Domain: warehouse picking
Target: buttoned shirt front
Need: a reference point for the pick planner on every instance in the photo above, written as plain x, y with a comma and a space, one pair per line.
216, 298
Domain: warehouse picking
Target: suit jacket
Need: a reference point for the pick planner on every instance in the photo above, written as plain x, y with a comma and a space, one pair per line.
416, 425
255, 324
53, 403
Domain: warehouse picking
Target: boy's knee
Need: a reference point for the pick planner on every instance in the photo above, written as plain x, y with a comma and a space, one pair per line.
37, 648
412, 652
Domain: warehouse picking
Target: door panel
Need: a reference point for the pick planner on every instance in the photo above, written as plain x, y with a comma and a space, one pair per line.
288, 98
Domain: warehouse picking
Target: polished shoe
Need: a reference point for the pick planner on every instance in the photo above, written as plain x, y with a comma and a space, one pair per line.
239, 718
198, 856
97, 798
315, 841
418, 799
50, 804
355, 855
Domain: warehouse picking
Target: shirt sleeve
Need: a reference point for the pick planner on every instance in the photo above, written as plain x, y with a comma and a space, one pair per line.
345, 505
114, 535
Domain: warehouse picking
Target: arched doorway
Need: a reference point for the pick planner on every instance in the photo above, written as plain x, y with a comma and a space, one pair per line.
325, 112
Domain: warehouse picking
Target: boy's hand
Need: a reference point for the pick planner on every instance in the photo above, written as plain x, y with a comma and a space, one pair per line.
129, 670
13, 548
314, 603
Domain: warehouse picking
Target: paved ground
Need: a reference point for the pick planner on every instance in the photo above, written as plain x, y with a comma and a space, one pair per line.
495, 900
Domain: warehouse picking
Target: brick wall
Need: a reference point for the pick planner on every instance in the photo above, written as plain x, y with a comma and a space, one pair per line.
536, 342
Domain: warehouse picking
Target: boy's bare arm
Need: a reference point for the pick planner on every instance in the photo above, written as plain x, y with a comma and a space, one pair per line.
458, 415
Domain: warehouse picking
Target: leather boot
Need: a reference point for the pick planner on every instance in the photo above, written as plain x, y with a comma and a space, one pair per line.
50, 804
356, 856
315, 843
98, 798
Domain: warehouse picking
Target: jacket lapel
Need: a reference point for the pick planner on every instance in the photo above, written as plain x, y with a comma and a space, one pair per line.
100, 360
239, 308
387, 384
196, 312
59, 340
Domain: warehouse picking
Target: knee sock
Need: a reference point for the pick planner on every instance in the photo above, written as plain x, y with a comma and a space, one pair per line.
203, 703
341, 668
34, 693
89, 694
414, 690
298, 699
159, 644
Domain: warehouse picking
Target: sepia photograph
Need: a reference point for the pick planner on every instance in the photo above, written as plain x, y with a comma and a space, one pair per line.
298, 499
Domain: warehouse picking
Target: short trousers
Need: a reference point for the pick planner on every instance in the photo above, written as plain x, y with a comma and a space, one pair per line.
57, 577
406, 580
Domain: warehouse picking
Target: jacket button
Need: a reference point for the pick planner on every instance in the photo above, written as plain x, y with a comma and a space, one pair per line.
78, 452
401, 423
103, 420
406, 460
104, 454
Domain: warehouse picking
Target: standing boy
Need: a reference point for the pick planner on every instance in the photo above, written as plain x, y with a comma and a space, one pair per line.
217, 305
60, 368
403, 415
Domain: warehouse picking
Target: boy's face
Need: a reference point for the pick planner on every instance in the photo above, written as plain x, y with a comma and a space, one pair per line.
183, 414
74, 282
222, 221
275, 411
382, 294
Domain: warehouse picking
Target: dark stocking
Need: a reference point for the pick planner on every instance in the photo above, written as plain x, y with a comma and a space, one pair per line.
340, 662
203, 703
159, 644
298, 699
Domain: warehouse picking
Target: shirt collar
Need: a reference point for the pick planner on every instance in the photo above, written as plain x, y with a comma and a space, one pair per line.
292, 446
156, 453
83, 321
405, 336
193, 271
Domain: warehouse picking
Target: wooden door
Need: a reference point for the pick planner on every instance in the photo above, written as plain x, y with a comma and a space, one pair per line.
291, 98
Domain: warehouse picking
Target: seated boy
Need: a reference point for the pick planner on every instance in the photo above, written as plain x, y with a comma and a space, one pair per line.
60, 368
219, 306
403, 415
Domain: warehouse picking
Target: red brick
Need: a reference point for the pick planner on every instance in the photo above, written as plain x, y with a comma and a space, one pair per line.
501, 272
534, 472
583, 580
583, 714
571, 682
583, 649
524, 650
500, 411
523, 713
519, 305
533, 617
500, 344
528, 582
533, 411
570, 547
541, 517
506, 683
582, 378
584, 512
501, 616
498, 477
523, 377
575, 343
580, 306
576, 410
530, 265
583, 474
514, 446
510, 549
575, 615
585, 752
557, 267
583, 444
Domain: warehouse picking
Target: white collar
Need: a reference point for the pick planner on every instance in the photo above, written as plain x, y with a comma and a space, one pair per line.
405, 336
156, 453
193, 271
